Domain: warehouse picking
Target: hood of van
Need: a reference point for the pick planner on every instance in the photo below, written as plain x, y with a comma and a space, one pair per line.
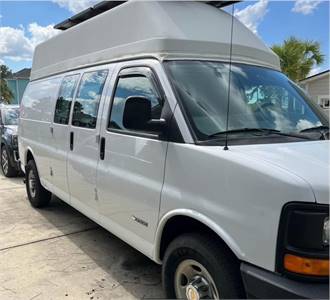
308, 160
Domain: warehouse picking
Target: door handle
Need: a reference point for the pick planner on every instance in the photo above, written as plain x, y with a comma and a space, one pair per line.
102, 148
71, 140
51, 128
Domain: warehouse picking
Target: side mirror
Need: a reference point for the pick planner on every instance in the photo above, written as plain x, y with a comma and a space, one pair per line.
137, 115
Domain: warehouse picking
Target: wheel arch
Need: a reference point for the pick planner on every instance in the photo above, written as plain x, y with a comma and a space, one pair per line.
29, 154
164, 233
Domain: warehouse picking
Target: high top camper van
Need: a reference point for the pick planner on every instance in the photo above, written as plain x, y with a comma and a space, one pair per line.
171, 125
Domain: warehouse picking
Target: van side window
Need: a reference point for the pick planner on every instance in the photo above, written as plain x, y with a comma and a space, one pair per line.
64, 100
135, 103
88, 97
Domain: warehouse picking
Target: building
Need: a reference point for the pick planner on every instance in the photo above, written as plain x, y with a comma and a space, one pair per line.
17, 84
318, 87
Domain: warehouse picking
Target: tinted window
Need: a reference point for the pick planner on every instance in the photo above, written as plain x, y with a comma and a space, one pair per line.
144, 103
88, 97
64, 100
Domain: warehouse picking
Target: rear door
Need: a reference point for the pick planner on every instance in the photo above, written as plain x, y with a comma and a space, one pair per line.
84, 139
132, 159
60, 133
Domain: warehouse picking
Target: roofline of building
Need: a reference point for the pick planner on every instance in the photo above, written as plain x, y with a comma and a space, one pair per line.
316, 76
17, 78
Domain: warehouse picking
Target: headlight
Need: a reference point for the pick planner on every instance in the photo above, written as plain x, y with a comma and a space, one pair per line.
303, 241
326, 231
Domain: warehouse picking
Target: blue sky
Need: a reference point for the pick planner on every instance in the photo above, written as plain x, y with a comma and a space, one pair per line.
24, 24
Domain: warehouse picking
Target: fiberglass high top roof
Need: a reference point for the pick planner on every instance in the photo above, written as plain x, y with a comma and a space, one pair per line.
164, 30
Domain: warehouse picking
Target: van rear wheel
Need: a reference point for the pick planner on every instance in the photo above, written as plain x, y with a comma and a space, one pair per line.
38, 196
200, 267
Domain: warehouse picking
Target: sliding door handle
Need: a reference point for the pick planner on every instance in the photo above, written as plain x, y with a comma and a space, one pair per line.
71, 140
102, 148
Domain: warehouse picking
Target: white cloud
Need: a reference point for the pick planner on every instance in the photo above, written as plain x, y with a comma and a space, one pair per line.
1, 62
40, 33
18, 44
76, 6
305, 6
14, 44
252, 15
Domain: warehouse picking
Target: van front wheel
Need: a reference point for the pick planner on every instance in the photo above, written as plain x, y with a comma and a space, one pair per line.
38, 196
199, 267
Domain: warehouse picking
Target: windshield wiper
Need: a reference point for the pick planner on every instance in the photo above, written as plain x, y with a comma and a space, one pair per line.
316, 128
267, 131
322, 130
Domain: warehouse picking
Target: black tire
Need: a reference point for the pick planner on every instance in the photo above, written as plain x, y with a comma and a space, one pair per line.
213, 255
7, 169
38, 196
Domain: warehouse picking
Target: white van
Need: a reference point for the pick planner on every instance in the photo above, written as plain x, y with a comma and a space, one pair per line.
196, 151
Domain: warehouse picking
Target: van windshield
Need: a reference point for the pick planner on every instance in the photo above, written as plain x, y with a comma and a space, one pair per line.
261, 100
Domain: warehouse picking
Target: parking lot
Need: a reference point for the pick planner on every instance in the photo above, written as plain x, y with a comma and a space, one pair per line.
57, 253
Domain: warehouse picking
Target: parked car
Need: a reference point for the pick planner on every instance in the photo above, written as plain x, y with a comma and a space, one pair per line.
9, 146
209, 161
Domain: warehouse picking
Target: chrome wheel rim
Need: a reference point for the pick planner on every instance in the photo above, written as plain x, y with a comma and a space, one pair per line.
4, 161
32, 184
194, 282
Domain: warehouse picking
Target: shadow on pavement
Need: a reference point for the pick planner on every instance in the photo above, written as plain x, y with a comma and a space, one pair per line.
136, 273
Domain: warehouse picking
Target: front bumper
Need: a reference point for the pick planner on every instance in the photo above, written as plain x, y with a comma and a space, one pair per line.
263, 284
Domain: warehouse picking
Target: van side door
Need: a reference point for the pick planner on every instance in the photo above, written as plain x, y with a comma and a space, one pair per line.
60, 133
132, 157
83, 140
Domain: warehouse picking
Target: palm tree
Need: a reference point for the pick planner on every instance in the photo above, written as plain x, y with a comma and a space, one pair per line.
6, 94
298, 57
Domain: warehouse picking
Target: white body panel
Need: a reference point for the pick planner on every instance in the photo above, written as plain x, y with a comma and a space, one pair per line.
58, 160
238, 196
35, 120
130, 181
310, 161
82, 164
